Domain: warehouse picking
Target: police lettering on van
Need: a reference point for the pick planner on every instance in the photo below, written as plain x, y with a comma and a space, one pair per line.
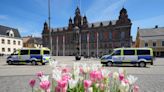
140, 56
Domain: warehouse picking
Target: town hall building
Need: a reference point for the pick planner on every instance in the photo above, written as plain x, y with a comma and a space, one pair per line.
91, 39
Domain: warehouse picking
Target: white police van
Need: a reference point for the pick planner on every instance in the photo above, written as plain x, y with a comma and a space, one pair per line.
29, 55
140, 56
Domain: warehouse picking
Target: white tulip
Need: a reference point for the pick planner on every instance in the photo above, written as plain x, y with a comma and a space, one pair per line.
56, 74
115, 75
44, 78
124, 87
72, 83
105, 72
90, 89
132, 79
53, 64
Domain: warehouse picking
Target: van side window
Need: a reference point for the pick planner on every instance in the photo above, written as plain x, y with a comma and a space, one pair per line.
129, 52
117, 52
34, 51
24, 52
143, 52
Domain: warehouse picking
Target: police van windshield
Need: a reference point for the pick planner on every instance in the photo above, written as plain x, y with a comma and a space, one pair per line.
15, 52
46, 52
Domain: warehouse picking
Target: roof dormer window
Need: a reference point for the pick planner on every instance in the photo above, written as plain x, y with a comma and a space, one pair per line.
10, 33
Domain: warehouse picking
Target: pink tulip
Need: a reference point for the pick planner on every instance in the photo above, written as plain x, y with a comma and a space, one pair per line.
125, 81
39, 74
45, 85
57, 89
81, 70
102, 86
66, 77
96, 75
136, 88
121, 76
87, 83
32, 83
65, 70
62, 83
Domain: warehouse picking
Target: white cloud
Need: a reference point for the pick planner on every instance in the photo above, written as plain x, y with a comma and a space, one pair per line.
3, 17
104, 9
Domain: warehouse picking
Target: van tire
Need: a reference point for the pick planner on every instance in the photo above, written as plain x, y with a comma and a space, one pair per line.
33, 62
142, 64
109, 63
43, 63
10, 62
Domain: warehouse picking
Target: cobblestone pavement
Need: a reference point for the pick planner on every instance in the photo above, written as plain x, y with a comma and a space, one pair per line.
14, 78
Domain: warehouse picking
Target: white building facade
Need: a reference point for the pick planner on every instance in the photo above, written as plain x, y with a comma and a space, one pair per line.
10, 40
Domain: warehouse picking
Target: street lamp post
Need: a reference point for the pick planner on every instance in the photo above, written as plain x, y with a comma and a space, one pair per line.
77, 43
49, 20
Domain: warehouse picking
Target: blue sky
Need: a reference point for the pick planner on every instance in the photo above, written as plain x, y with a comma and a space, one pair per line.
29, 15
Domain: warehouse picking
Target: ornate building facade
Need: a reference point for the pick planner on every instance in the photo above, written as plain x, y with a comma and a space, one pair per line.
90, 39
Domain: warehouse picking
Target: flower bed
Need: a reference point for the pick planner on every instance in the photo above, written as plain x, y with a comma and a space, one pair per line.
84, 78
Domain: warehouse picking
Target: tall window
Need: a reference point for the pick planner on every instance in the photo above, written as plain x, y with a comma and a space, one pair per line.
146, 44
110, 35
162, 43
14, 42
9, 50
3, 41
154, 44
92, 37
18, 42
3, 49
122, 35
8, 41
101, 36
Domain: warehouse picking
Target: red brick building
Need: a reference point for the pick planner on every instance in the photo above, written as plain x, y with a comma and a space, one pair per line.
89, 38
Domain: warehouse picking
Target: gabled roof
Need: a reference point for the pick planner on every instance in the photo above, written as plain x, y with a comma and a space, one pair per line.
4, 30
36, 40
151, 32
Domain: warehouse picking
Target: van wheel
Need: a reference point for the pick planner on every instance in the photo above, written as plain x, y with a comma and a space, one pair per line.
33, 62
109, 63
142, 64
10, 62
43, 63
